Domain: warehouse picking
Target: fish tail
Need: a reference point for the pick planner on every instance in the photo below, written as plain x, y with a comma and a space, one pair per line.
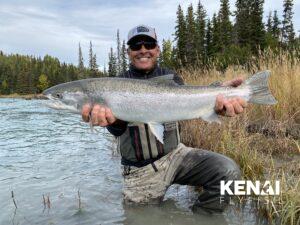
259, 89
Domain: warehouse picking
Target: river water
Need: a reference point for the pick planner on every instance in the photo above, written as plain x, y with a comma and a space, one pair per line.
62, 172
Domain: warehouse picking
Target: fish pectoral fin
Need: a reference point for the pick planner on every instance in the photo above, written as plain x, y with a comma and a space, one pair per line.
165, 79
212, 117
158, 130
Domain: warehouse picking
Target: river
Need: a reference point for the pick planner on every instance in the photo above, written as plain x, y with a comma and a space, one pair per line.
62, 172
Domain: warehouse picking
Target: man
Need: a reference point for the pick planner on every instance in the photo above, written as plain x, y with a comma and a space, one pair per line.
150, 167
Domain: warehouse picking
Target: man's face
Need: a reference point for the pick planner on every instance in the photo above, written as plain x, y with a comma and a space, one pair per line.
143, 58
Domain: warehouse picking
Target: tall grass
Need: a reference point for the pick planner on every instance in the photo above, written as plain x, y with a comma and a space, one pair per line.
264, 140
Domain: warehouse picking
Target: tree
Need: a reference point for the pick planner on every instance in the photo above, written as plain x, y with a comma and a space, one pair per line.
91, 56
242, 22
216, 36
93, 66
81, 74
118, 52
43, 82
276, 26
200, 31
112, 64
94, 63
270, 23
288, 33
180, 37
124, 63
166, 54
208, 40
4, 87
191, 49
257, 29
225, 25
80, 58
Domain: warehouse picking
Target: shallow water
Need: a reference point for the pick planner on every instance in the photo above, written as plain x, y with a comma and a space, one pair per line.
50, 154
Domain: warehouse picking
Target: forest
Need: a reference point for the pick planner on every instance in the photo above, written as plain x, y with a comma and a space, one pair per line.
228, 38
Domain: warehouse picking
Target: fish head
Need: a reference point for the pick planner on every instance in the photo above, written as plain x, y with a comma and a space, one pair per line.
67, 95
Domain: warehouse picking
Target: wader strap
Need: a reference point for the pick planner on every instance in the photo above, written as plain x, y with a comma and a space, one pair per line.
154, 167
135, 137
178, 135
153, 145
144, 139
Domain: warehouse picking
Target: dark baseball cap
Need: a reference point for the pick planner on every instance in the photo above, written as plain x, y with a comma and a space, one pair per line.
141, 30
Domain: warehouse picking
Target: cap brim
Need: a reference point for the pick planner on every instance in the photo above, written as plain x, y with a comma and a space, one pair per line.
133, 39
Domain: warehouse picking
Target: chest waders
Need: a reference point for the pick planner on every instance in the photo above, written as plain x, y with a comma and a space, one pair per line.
138, 144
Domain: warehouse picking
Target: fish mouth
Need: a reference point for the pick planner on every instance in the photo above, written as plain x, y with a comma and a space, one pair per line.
48, 96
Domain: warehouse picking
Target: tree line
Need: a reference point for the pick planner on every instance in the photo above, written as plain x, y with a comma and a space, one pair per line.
27, 74
201, 41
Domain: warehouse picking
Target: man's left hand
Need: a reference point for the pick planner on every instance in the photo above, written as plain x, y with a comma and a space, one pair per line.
230, 106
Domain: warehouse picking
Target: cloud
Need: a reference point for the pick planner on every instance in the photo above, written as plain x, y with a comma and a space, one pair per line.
56, 27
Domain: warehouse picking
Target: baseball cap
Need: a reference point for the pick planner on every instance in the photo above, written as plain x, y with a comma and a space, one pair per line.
141, 30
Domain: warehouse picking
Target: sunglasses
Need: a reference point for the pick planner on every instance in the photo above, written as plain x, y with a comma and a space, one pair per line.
147, 44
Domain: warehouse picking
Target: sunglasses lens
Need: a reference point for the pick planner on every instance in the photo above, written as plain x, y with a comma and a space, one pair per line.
148, 45
135, 47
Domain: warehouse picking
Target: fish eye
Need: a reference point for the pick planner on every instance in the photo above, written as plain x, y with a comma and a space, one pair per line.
58, 95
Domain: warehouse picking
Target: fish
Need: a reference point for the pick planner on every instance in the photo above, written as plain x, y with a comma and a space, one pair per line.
156, 100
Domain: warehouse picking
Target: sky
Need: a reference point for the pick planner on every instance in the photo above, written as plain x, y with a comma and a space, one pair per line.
34, 27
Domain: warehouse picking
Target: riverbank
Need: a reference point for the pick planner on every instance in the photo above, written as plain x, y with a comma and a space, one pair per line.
264, 140
26, 96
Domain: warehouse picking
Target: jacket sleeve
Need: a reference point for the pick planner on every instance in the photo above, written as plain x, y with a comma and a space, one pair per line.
117, 128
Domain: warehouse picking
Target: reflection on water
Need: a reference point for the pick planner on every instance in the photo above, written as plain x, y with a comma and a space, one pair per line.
47, 156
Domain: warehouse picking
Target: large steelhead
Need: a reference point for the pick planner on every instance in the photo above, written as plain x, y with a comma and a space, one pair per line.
157, 100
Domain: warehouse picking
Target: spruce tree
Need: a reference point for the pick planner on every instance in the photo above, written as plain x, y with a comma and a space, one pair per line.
118, 52
124, 62
200, 31
288, 33
208, 40
257, 30
216, 36
81, 74
276, 26
166, 54
225, 25
80, 58
242, 22
180, 37
270, 23
94, 63
112, 64
191, 49
91, 56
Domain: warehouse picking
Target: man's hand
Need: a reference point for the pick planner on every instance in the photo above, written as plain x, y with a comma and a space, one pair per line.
232, 106
100, 115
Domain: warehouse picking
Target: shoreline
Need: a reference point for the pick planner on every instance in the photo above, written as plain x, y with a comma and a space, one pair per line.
25, 96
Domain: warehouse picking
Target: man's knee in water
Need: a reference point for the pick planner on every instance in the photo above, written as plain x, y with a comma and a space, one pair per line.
229, 169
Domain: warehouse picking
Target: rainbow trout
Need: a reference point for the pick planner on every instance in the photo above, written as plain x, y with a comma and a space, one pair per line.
157, 100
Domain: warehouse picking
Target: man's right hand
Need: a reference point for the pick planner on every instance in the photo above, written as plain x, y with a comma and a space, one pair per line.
99, 114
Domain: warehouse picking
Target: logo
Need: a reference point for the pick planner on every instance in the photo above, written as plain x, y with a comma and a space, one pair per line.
246, 187
142, 29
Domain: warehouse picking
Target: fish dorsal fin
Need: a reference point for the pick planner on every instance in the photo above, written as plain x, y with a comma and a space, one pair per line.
165, 79
158, 130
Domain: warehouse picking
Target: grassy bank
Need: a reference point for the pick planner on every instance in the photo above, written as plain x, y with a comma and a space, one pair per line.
265, 140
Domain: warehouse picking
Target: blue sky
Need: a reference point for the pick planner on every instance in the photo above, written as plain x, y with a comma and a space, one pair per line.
55, 27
